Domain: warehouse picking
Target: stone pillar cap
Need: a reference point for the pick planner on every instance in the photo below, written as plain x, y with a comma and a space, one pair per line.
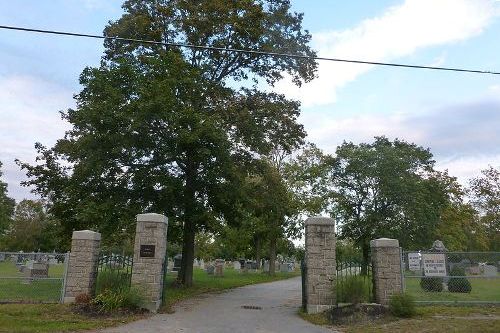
152, 217
384, 242
320, 220
86, 234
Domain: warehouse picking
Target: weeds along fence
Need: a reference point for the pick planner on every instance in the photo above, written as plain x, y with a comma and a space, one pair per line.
354, 282
32, 277
114, 271
452, 277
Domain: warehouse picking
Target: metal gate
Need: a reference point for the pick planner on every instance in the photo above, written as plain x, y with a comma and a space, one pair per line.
32, 277
114, 271
303, 271
452, 277
354, 282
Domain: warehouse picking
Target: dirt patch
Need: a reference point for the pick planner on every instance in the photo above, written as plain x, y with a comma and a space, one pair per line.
356, 313
90, 311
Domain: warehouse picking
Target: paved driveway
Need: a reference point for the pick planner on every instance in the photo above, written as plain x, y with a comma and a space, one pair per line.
221, 313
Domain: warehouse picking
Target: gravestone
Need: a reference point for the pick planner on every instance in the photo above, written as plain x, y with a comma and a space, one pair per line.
202, 264
2, 257
196, 263
219, 267
210, 269
177, 262
266, 266
490, 271
237, 265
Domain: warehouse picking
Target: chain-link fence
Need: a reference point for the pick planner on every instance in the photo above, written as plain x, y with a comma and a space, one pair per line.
32, 277
452, 277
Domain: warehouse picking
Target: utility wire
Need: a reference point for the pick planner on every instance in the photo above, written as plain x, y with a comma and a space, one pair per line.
256, 52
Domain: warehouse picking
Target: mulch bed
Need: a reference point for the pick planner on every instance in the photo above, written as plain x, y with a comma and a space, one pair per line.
356, 313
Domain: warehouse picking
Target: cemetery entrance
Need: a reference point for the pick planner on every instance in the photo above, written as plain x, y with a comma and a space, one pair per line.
32, 277
452, 277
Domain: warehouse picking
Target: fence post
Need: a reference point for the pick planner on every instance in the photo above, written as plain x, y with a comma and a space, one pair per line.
320, 263
149, 257
81, 273
387, 275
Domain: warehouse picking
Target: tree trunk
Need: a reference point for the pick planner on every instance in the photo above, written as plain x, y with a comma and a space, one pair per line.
365, 248
272, 256
186, 271
258, 246
185, 276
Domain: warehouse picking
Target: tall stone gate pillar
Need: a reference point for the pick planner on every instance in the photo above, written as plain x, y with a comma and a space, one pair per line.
81, 273
386, 261
149, 257
320, 262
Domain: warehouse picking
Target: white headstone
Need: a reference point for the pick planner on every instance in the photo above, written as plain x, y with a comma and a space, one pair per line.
490, 271
237, 265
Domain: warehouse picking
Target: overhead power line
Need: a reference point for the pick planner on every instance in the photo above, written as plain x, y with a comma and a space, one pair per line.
248, 51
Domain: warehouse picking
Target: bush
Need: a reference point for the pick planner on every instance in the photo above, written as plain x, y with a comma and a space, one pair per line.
459, 284
125, 299
433, 284
114, 280
402, 305
353, 289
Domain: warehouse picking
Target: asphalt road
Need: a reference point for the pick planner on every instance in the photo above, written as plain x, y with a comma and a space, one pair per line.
268, 307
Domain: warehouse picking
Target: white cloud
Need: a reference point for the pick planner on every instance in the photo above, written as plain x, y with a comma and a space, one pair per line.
29, 113
400, 31
463, 137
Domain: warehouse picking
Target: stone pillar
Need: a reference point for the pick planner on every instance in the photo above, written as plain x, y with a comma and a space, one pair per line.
320, 262
149, 257
82, 267
386, 261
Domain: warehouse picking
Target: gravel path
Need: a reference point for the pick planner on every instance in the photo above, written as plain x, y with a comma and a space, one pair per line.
271, 307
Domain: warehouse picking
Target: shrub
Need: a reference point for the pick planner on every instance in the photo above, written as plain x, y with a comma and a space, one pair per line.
353, 289
459, 284
114, 280
433, 284
125, 299
402, 305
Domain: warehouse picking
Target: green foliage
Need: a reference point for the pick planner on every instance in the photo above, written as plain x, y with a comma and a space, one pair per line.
402, 305
432, 284
459, 284
6, 206
113, 300
353, 289
485, 194
112, 280
32, 229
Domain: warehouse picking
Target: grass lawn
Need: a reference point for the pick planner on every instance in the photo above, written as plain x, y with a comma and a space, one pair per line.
429, 319
202, 282
13, 288
483, 289
39, 318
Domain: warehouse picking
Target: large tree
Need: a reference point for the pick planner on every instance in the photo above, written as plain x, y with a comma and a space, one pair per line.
485, 197
6, 205
266, 25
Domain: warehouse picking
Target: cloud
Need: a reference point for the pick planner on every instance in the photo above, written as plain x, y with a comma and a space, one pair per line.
400, 31
463, 137
29, 113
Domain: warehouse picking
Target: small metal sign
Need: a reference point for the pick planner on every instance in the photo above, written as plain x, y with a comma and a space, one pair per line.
147, 251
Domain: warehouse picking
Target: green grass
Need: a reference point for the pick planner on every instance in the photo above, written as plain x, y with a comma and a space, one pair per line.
39, 318
202, 283
483, 289
14, 289
429, 319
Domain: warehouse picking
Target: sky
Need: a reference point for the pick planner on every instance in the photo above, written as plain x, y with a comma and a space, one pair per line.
456, 115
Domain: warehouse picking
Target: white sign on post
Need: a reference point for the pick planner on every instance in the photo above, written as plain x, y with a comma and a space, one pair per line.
434, 264
414, 262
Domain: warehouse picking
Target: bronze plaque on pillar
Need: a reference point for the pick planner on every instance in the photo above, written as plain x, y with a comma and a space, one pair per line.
147, 251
